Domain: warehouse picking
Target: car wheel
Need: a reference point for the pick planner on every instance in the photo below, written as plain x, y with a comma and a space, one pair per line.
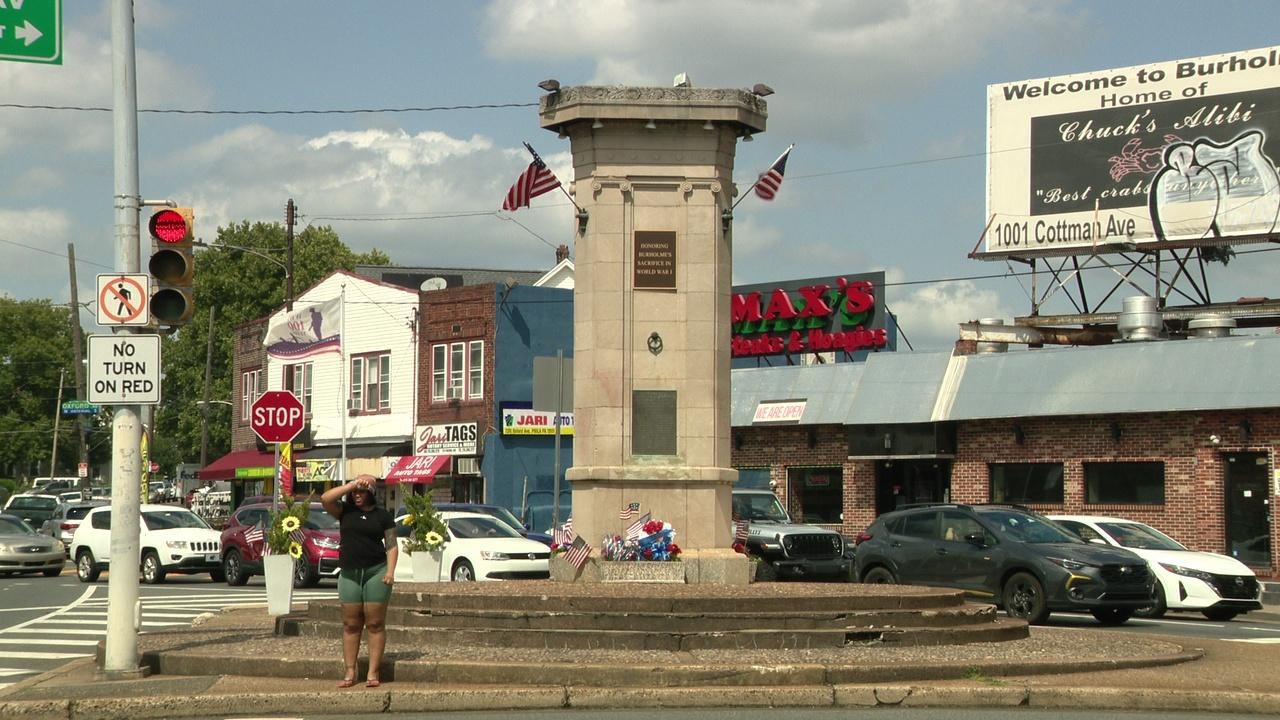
152, 571
53, 572
233, 568
879, 575
1220, 614
305, 574
1112, 616
463, 572
1024, 598
1157, 608
86, 569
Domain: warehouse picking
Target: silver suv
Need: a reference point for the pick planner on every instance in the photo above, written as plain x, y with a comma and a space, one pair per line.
787, 549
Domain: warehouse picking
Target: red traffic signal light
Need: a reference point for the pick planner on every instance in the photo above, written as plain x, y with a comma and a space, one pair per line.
172, 266
170, 226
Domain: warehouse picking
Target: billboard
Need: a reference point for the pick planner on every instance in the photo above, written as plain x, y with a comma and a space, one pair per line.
1173, 151
842, 314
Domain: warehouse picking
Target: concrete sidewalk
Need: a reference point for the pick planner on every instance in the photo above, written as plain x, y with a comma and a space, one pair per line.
232, 661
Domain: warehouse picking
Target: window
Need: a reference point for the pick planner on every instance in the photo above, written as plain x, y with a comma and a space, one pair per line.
1124, 483
818, 494
1026, 482
371, 382
100, 521
250, 389
457, 371
1084, 532
956, 526
439, 366
753, 478
297, 379
921, 525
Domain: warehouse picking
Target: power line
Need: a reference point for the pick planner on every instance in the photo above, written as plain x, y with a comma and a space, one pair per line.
346, 111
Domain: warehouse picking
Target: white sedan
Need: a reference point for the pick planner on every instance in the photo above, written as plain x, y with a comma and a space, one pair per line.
480, 547
1218, 586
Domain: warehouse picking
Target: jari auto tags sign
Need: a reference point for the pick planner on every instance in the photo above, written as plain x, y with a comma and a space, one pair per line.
446, 439
523, 421
844, 313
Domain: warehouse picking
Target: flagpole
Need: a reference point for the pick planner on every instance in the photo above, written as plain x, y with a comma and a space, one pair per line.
537, 157
342, 380
757, 182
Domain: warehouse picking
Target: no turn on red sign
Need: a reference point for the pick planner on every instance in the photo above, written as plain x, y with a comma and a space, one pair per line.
124, 369
122, 299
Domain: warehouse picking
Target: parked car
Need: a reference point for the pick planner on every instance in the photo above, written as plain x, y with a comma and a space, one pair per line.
788, 549
70, 496
502, 514
480, 547
1218, 586
66, 518
242, 559
32, 508
1019, 559
23, 550
173, 540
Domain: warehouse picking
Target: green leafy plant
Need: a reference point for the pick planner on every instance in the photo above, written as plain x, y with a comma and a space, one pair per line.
427, 531
284, 527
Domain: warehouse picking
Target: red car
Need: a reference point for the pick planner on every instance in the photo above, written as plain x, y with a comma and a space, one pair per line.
242, 560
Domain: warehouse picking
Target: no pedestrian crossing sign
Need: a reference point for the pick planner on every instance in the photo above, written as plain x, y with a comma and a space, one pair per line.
124, 369
122, 299
31, 31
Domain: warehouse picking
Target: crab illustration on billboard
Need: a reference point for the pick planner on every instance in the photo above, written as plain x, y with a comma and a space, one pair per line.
1172, 151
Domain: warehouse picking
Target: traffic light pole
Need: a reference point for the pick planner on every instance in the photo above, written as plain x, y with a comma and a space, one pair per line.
120, 659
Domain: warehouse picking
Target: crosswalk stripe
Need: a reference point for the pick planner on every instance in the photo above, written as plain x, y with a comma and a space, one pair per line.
10, 672
1257, 641
44, 643
30, 655
58, 631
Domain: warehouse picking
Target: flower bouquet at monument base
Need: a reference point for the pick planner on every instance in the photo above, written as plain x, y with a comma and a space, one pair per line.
653, 541
284, 527
427, 532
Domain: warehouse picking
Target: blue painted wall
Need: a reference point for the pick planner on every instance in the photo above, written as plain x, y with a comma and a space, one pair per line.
531, 322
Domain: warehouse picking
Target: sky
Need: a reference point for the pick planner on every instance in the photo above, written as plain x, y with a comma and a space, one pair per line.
886, 102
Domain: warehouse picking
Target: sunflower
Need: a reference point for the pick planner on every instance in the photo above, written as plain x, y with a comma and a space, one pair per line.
433, 538
289, 523
408, 520
295, 550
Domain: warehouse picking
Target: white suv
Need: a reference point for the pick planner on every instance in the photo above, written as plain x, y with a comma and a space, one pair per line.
174, 540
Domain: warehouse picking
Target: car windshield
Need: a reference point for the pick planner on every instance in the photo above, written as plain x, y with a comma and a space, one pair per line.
1027, 528
505, 516
32, 502
759, 507
318, 519
172, 519
77, 512
464, 528
1142, 537
13, 526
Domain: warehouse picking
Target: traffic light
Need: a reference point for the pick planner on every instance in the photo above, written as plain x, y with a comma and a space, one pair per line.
172, 266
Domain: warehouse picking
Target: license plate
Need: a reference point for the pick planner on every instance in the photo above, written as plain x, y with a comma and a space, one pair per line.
212, 557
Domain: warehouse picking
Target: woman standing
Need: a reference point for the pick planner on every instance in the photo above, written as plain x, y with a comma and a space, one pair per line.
367, 566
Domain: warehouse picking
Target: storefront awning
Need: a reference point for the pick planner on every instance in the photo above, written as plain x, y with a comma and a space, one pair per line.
242, 464
416, 468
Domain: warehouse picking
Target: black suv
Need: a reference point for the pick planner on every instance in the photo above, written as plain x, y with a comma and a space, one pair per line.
1016, 558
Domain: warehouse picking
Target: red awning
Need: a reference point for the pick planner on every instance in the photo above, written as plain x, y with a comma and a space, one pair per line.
224, 468
417, 468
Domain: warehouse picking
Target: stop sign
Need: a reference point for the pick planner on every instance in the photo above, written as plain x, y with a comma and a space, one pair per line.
277, 416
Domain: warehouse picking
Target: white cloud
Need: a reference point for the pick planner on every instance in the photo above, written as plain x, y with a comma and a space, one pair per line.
929, 315
36, 241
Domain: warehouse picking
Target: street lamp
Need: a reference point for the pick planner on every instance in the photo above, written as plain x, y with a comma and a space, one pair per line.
287, 267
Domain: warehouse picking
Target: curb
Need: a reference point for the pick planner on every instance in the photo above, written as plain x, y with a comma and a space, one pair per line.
456, 698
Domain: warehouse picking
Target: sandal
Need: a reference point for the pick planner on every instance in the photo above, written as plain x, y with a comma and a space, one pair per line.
347, 682
372, 683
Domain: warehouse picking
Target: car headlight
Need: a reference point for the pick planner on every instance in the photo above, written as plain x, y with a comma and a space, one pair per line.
58, 546
787, 542
176, 544
486, 555
324, 542
1069, 564
1188, 572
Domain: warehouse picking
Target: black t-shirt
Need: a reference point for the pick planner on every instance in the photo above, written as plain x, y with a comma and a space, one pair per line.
362, 533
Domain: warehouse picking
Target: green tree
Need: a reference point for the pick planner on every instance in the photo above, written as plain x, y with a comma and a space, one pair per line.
243, 286
35, 348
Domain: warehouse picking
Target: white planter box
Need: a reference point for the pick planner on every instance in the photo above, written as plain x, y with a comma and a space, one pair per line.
426, 565
278, 570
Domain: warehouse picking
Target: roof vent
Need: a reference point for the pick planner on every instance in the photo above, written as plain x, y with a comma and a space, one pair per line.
1139, 319
1211, 326
983, 348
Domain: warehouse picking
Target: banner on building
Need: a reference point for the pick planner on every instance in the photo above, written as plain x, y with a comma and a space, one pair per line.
306, 332
524, 421
446, 439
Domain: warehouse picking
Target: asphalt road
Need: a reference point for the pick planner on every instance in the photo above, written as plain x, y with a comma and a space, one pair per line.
44, 622
1244, 628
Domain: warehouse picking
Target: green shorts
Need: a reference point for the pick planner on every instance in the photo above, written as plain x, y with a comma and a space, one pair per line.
364, 586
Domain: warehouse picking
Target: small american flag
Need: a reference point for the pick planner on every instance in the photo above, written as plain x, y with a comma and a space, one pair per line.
768, 184
534, 181
563, 535
629, 511
578, 552
740, 531
637, 528
253, 535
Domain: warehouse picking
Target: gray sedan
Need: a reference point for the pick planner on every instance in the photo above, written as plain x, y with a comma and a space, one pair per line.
23, 550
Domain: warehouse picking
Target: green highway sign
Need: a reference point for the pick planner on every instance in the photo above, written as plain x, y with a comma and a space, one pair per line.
31, 31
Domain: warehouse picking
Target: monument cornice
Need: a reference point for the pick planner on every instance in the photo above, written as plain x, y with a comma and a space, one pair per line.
591, 103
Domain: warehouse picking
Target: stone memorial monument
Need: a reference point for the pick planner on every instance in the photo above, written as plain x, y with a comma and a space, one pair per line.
653, 171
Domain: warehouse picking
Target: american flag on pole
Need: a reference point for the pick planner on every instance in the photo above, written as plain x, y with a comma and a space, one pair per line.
636, 528
534, 181
253, 535
563, 535
578, 552
768, 184
629, 511
740, 531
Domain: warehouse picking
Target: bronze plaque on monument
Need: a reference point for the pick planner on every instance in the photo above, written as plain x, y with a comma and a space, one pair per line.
653, 422
655, 260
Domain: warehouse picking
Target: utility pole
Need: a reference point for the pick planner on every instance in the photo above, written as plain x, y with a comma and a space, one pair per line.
204, 406
57, 416
290, 217
120, 658
77, 349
